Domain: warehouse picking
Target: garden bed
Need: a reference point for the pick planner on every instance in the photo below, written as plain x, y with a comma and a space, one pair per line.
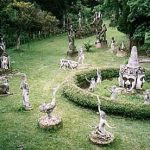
75, 90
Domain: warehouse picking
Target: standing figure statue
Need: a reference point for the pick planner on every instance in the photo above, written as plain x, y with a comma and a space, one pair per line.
49, 121
5, 61
2, 46
113, 42
100, 135
71, 38
81, 56
25, 92
80, 20
113, 92
147, 97
92, 84
99, 77
103, 33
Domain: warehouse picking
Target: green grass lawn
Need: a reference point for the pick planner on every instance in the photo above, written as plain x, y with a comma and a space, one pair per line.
40, 61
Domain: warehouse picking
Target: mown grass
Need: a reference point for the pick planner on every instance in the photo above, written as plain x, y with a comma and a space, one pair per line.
40, 61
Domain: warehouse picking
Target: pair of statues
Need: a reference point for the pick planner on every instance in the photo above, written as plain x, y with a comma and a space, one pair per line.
93, 82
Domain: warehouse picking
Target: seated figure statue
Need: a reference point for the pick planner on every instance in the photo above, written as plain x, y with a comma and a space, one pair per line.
4, 86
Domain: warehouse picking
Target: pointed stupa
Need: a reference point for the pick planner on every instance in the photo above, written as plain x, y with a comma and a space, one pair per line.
133, 60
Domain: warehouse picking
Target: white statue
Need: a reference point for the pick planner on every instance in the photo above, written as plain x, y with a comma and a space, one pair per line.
25, 92
113, 93
4, 62
81, 56
4, 85
99, 77
69, 64
147, 97
122, 46
92, 84
49, 107
103, 122
113, 43
131, 76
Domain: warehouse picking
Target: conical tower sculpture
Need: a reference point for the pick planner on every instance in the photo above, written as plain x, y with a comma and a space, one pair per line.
131, 76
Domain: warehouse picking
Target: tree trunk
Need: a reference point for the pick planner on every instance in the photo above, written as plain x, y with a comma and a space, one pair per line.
18, 42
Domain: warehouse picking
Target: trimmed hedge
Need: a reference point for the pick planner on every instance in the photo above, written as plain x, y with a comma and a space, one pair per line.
73, 92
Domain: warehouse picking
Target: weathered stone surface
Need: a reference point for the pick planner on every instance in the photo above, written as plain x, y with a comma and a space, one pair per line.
49, 123
100, 139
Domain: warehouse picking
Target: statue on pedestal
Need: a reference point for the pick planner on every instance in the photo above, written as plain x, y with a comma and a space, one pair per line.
100, 135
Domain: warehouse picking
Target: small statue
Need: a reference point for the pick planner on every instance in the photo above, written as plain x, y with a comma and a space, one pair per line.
113, 93
99, 77
122, 47
92, 84
69, 64
4, 62
103, 33
80, 20
25, 92
113, 43
4, 85
100, 135
147, 97
49, 121
81, 56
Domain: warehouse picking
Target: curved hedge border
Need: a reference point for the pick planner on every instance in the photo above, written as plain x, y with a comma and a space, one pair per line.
73, 92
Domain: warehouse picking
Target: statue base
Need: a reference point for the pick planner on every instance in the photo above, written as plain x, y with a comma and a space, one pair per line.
49, 123
4, 95
98, 45
99, 139
27, 108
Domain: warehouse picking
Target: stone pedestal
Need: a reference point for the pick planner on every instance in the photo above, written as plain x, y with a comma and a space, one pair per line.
99, 139
104, 44
98, 45
27, 108
49, 123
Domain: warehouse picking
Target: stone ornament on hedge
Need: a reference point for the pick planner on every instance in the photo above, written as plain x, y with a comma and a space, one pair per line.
131, 76
50, 121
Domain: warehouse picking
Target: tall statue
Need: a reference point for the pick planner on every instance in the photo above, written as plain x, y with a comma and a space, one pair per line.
71, 39
80, 20
99, 77
2, 46
100, 135
81, 56
25, 92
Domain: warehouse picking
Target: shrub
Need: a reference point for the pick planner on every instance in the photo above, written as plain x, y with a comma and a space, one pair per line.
87, 99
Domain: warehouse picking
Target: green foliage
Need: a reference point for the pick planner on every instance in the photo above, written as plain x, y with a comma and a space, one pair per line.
86, 99
88, 46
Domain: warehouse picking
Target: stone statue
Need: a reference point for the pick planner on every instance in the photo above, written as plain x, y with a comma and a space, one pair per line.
101, 135
113, 44
99, 77
4, 85
80, 20
92, 84
5, 61
122, 47
131, 76
68, 64
2, 46
25, 92
81, 56
103, 33
113, 92
71, 38
50, 120
147, 97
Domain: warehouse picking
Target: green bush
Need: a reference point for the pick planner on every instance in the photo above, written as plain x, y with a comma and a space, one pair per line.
87, 99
